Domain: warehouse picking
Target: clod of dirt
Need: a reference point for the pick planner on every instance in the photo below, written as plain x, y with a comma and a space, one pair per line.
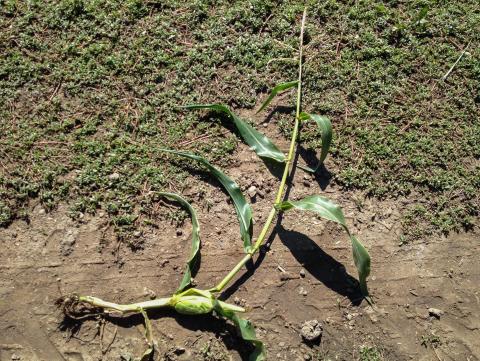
240, 302
302, 291
114, 176
285, 276
435, 312
66, 245
147, 292
311, 330
252, 191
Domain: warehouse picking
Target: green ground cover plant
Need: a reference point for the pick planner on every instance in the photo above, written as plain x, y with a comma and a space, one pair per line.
193, 301
88, 91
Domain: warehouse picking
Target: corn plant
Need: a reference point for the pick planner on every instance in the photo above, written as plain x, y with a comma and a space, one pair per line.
193, 301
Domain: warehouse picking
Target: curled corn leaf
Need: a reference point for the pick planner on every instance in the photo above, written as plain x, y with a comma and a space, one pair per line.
194, 253
197, 302
362, 262
243, 209
260, 144
325, 127
147, 354
277, 89
193, 305
247, 331
329, 210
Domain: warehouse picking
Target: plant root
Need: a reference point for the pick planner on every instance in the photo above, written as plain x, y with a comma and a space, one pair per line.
75, 309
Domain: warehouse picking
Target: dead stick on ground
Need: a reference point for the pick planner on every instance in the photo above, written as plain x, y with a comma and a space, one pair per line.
436, 354
104, 351
456, 62
201, 137
55, 91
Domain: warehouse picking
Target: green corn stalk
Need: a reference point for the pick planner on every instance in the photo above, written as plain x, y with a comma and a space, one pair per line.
192, 301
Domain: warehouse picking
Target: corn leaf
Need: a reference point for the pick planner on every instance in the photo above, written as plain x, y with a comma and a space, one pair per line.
247, 332
326, 129
321, 205
194, 253
260, 144
329, 210
362, 262
243, 209
147, 355
277, 89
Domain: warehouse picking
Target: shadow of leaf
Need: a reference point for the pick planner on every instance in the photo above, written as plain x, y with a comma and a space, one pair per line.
321, 265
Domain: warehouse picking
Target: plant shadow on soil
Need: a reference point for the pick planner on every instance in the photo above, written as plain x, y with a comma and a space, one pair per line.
223, 330
321, 265
322, 176
316, 261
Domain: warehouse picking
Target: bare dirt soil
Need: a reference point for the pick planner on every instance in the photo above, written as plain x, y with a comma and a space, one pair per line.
307, 273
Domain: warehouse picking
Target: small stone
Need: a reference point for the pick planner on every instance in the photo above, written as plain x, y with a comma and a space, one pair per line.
302, 291
307, 357
348, 316
311, 330
302, 273
137, 234
164, 262
285, 276
252, 191
15, 357
306, 183
435, 312
114, 176
149, 293
281, 344
372, 314
41, 211
179, 232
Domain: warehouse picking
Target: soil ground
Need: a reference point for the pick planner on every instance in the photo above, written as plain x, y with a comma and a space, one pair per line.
53, 256
89, 92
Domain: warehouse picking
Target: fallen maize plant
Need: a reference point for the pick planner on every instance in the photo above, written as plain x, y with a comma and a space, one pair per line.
192, 301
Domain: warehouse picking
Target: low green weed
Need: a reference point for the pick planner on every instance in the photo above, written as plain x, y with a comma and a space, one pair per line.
192, 301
